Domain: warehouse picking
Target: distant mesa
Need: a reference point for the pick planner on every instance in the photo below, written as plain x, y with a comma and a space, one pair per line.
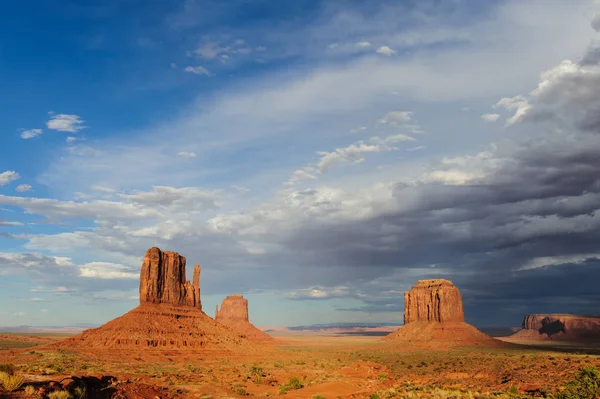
234, 314
434, 316
559, 327
169, 316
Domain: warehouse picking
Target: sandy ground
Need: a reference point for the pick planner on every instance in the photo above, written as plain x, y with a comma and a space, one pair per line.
318, 365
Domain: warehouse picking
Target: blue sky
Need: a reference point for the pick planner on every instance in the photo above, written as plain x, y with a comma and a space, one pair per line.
318, 157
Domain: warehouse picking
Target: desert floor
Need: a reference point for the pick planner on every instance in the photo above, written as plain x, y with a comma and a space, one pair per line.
308, 365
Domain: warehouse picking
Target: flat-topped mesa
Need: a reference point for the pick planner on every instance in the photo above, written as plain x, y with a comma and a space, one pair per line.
433, 301
560, 326
233, 308
163, 280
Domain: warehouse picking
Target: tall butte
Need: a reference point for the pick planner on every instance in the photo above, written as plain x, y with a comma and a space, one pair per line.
434, 316
234, 314
169, 315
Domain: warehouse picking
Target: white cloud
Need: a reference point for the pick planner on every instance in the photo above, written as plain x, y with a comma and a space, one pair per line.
198, 70
71, 140
490, 117
5, 223
187, 154
519, 104
385, 50
358, 130
300, 175
107, 271
44, 310
65, 123
19, 314
397, 118
546, 261
418, 148
395, 138
216, 50
8, 176
363, 44
30, 133
352, 154
22, 188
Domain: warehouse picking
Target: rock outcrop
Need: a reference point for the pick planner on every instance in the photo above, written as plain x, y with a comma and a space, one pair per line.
163, 280
433, 300
434, 317
234, 314
560, 327
169, 315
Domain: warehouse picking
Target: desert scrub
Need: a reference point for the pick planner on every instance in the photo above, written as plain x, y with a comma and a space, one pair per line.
7, 368
319, 396
293, 383
30, 391
585, 385
11, 382
60, 395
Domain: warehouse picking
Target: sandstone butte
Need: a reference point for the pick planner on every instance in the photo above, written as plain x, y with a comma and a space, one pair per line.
234, 314
434, 316
559, 327
169, 315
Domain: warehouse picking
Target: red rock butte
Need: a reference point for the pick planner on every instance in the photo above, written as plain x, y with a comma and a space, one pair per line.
234, 314
434, 316
169, 316
559, 327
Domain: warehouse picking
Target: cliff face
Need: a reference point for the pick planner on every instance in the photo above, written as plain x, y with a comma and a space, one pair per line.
434, 317
162, 280
233, 308
560, 327
433, 301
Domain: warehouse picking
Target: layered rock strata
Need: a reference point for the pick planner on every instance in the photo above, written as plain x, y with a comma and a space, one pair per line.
434, 317
234, 314
560, 327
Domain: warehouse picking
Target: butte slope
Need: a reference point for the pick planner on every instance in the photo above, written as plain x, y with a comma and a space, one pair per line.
234, 314
434, 317
169, 316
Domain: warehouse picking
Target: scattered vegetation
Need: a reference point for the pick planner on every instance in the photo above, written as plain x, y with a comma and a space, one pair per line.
60, 395
30, 391
7, 368
319, 396
293, 383
11, 382
585, 385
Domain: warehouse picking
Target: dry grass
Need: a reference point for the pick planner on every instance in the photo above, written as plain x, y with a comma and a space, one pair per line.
11, 382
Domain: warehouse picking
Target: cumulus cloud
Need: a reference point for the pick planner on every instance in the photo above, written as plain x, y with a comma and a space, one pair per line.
65, 123
385, 50
107, 271
187, 154
30, 133
490, 117
8, 176
198, 70
363, 44
23, 188
397, 118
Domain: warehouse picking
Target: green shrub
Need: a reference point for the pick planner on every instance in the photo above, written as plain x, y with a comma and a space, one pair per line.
319, 396
7, 368
293, 383
585, 385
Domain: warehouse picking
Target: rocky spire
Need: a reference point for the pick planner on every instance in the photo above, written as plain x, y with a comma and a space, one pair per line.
162, 279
